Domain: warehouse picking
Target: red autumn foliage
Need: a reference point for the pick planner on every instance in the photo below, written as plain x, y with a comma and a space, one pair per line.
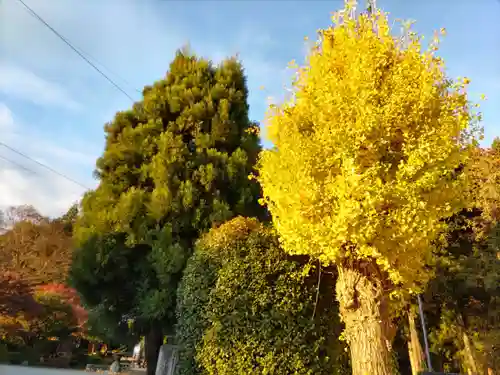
70, 296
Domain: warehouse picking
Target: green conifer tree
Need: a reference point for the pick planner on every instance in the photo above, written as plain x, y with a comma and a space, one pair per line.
173, 166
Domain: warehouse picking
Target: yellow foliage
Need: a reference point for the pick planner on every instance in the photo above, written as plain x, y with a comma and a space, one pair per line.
228, 233
253, 130
483, 192
365, 151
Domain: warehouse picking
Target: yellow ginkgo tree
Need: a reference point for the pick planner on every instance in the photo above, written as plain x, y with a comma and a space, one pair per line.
366, 166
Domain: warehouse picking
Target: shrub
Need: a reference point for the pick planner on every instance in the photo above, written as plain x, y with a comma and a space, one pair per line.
244, 306
4, 353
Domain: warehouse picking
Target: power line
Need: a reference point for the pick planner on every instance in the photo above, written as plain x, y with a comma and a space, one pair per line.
43, 166
86, 59
17, 164
68, 43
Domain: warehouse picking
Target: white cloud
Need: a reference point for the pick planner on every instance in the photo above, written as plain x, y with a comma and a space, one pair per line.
6, 119
23, 181
136, 40
19, 83
126, 36
49, 194
74, 153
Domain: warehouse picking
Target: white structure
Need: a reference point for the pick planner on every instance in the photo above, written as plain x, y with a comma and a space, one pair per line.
167, 360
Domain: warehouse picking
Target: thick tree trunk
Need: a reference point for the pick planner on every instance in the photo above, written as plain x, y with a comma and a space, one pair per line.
414, 346
368, 328
153, 342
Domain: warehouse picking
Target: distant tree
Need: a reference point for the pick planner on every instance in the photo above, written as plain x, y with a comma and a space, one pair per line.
174, 165
69, 218
70, 297
483, 191
16, 214
57, 319
366, 167
35, 253
496, 144
33, 316
462, 305
15, 295
38, 250
462, 301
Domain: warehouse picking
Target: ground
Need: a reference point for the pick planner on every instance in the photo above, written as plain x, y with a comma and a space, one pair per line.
23, 370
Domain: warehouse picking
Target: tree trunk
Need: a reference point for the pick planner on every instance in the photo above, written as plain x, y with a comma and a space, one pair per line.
154, 340
469, 356
368, 328
414, 346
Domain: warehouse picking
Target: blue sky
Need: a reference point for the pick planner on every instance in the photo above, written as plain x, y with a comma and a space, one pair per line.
53, 105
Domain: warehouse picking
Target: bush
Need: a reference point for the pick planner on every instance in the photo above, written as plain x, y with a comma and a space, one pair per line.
244, 306
4, 353
16, 358
193, 294
79, 360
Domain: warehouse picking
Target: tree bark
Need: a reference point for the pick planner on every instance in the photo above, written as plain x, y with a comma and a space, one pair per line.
368, 328
414, 346
154, 340
469, 356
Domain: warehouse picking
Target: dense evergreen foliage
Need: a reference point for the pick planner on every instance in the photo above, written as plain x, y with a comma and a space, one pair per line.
462, 302
247, 307
173, 166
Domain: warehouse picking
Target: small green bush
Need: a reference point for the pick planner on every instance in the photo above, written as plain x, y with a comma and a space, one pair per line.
244, 307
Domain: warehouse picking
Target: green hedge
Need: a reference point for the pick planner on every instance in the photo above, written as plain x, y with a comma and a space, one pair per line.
244, 307
4, 353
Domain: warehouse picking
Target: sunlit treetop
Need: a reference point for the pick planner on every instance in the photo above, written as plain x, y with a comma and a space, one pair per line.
179, 159
367, 152
483, 191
